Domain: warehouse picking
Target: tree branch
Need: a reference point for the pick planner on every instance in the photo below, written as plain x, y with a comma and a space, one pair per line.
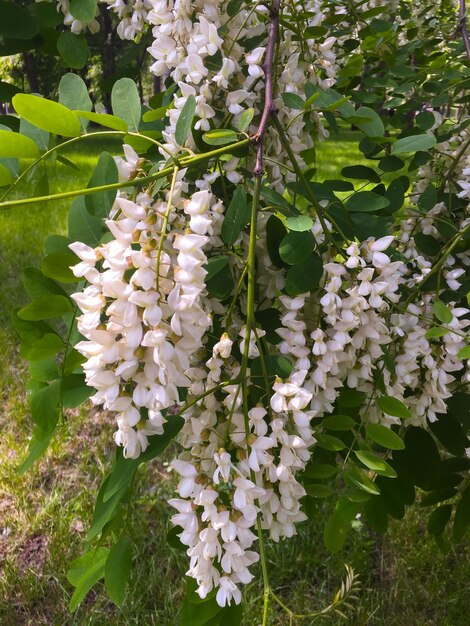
269, 107
463, 27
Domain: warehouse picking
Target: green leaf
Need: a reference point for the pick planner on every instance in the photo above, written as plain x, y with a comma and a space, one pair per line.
16, 145
275, 233
45, 308
16, 21
438, 519
359, 479
73, 93
73, 361
384, 436
155, 114
293, 101
75, 390
376, 463
395, 194
56, 243
435, 333
159, 443
376, 515
236, 217
299, 223
320, 471
462, 516
6, 177
351, 398
220, 137
44, 406
425, 120
335, 531
464, 353
414, 143
47, 115
393, 406
221, 283
338, 422
215, 264
37, 285
234, 6
244, 120
435, 497
185, 120
40, 137
121, 474
366, 201
305, 276
275, 198
317, 490
38, 444
427, 244
373, 127
196, 611
117, 570
125, 102
328, 442
360, 172
428, 199
73, 49
448, 430
83, 10
422, 456
104, 119
442, 312
104, 511
48, 345
82, 225
57, 266
67, 162
44, 370
297, 247
29, 331
7, 91
391, 163
100, 203
85, 572
338, 524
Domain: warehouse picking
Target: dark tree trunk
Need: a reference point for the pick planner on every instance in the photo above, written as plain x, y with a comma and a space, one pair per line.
109, 61
31, 73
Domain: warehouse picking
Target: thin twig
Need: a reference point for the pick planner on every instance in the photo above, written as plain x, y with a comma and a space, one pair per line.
269, 106
463, 27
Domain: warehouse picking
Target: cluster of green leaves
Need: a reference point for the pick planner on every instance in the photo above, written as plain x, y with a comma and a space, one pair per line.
34, 26
376, 470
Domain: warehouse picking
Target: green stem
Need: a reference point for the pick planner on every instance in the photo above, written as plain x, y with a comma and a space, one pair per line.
250, 324
451, 247
165, 224
184, 162
311, 196
54, 149
455, 162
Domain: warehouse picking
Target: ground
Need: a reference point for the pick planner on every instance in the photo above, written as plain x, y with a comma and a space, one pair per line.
44, 514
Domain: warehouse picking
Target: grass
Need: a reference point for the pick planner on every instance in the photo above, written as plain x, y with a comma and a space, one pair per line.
44, 515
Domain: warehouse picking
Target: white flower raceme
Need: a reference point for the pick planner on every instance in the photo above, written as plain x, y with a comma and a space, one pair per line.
163, 335
142, 314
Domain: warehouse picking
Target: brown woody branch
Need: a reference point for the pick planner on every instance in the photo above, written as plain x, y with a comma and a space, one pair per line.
463, 27
269, 106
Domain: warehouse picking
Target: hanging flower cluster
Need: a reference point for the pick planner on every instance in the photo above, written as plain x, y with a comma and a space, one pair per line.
159, 341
